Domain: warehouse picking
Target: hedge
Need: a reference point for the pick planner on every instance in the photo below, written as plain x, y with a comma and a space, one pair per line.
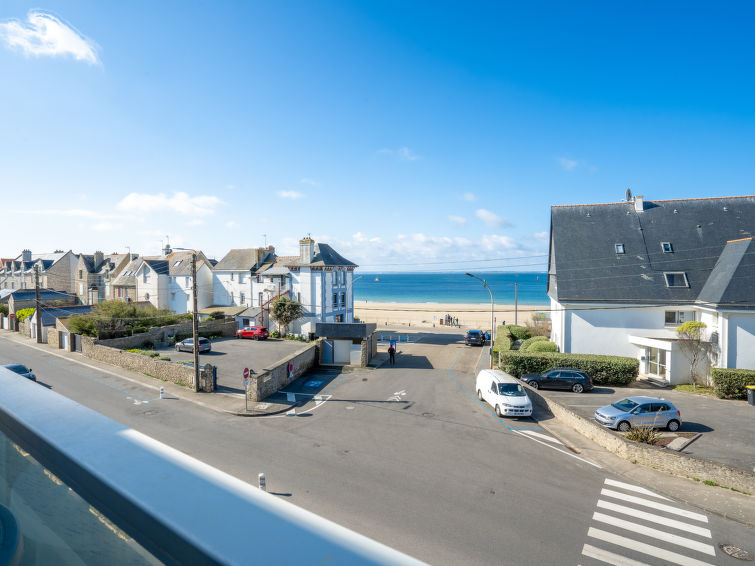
502, 341
730, 383
604, 370
524, 346
517, 332
542, 346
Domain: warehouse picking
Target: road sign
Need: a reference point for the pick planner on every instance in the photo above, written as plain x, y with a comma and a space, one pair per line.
246, 373
291, 369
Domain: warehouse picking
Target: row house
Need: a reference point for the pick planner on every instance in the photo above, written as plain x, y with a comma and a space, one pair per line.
55, 271
94, 275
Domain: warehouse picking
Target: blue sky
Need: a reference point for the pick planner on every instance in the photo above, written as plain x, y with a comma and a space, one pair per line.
407, 135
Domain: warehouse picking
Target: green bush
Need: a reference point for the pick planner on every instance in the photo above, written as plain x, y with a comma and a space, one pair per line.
730, 383
3, 310
502, 340
524, 346
646, 434
517, 332
604, 370
275, 334
542, 346
23, 314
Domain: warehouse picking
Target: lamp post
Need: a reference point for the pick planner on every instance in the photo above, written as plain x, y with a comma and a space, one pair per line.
352, 295
195, 316
492, 321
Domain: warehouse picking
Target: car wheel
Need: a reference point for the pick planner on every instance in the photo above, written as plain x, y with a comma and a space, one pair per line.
256, 337
624, 426
238, 335
498, 411
673, 425
178, 348
479, 395
533, 384
577, 388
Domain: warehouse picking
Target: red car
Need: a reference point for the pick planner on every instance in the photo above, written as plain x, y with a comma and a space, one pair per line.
255, 332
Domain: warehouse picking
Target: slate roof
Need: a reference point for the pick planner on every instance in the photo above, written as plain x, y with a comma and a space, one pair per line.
584, 265
242, 259
733, 276
44, 295
127, 277
51, 314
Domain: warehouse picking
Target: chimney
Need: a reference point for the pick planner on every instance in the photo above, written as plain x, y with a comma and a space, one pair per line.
98, 259
26, 255
639, 204
306, 250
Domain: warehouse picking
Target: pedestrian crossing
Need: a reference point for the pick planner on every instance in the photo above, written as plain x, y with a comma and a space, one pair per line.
632, 526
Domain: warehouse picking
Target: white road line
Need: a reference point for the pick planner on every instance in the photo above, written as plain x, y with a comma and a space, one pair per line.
660, 519
543, 436
654, 505
638, 489
648, 549
556, 449
655, 533
609, 557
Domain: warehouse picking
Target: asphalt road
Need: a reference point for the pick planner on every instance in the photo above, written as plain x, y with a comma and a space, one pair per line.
407, 456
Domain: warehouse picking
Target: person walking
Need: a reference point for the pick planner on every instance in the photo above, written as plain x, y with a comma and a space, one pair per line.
392, 355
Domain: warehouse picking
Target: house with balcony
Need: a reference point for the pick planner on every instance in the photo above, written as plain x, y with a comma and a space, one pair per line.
622, 277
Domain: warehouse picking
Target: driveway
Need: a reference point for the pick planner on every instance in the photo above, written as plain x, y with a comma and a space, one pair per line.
232, 355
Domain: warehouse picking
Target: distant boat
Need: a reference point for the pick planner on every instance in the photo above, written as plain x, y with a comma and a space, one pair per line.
377, 278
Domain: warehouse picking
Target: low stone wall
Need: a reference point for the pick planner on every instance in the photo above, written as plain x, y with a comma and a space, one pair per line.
277, 377
161, 334
656, 457
177, 373
52, 338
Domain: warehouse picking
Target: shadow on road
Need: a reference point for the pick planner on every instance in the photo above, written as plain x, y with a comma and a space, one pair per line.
695, 427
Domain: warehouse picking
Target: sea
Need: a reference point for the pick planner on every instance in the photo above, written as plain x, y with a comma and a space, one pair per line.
451, 288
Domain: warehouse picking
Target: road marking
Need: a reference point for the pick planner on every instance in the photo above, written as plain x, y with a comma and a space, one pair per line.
654, 505
636, 488
648, 549
660, 519
609, 557
543, 436
655, 533
397, 396
313, 383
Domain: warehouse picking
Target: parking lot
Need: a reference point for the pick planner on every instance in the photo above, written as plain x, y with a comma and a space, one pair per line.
232, 355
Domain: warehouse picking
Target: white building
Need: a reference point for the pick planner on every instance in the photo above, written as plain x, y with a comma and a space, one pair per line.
623, 276
167, 282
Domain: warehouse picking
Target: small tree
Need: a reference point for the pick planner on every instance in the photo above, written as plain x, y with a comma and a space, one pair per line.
693, 345
285, 311
4, 310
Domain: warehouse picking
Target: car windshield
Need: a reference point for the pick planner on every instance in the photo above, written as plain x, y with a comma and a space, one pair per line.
625, 405
18, 368
511, 389
473, 332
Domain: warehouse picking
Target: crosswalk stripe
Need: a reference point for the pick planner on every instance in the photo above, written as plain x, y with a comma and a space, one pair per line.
609, 557
654, 505
543, 436
693, 529
655, 533
635, 488
648, 549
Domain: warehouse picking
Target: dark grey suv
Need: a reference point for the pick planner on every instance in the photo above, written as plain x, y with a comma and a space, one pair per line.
476, 337
560, 378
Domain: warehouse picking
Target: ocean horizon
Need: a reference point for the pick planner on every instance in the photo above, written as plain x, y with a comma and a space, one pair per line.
428, 287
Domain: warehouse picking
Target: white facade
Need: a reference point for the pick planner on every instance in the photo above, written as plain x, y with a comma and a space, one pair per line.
174, 292
232, 288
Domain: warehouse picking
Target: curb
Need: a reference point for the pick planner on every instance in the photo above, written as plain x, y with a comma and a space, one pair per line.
655, 457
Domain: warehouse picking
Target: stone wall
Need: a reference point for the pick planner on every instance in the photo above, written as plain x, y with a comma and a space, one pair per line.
277, 377
668, 461
159, 335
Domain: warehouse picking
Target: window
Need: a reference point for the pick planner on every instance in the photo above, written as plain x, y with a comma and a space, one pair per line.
232, 297
241, 278
231, 276
81, 288
343, 299
676, 279
335, 300
619, 248
666, 247
675, 318
187, 281
298, 297
81, 273
146, 296
333, 278
242, 298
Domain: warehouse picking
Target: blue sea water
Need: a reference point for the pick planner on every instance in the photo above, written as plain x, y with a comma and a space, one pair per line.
451, 288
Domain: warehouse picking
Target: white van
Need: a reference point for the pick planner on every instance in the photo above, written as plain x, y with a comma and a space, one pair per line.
504, 393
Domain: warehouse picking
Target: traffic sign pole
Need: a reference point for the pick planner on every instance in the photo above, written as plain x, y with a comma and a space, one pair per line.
245, 375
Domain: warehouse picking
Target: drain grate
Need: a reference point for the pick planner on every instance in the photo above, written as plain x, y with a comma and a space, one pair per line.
736, 552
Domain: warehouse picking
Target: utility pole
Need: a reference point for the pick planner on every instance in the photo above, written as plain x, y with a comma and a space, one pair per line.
516, 304
36, 295
195, 320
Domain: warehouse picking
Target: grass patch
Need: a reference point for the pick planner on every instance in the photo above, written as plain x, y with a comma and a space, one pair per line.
689, 388
711, 483
142, 352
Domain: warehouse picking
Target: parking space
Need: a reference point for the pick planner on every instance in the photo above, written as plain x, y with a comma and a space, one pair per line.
232, 355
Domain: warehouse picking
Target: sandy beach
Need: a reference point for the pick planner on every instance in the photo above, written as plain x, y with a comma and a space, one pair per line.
431, 314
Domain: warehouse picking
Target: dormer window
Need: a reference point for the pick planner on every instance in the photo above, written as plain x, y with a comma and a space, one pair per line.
619, 248
666, 247
676, 279
177, 263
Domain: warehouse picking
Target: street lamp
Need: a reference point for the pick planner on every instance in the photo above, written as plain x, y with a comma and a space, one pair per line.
492, 322
195, 316
352, 294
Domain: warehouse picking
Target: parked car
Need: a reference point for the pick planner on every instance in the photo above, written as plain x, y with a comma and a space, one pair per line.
21, 369
640, 411
188, 345
476, 337
254, 332
560, 378
504, 393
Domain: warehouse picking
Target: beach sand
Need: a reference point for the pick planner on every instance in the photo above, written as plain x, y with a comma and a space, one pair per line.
431, 314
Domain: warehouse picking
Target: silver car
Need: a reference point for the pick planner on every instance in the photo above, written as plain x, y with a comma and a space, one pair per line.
640, 411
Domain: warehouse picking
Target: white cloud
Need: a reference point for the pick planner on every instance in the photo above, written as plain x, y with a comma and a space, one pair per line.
490, 218
311, 182
567, 164
402, 153
542, 236
180, 202
290, 194
469, 197
231, 224
45, 35
460, 220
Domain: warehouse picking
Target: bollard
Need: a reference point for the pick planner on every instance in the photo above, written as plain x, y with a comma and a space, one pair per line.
162, 392
261, 478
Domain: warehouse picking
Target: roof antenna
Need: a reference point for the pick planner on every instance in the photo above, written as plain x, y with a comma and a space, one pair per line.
265, 236
629, 194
